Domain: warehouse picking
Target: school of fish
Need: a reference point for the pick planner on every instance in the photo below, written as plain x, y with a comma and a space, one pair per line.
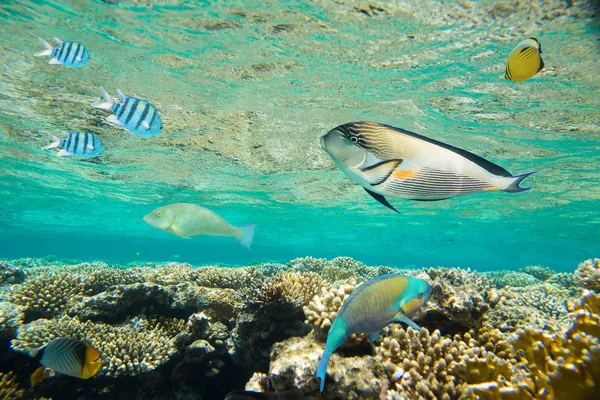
388, 162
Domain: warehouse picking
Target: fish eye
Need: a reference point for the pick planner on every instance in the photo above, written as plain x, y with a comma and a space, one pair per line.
159, 214
353, 139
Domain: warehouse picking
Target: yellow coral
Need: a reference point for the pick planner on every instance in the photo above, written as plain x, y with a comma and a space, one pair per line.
299, 287
588, 274
9, 387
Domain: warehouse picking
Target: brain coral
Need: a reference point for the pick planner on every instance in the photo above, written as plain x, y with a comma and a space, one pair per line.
126, 350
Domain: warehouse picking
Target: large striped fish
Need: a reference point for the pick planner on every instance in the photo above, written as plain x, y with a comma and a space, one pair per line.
135, 115
70, 54
372, 306
70, 357
76, 144
393, 162
524, 61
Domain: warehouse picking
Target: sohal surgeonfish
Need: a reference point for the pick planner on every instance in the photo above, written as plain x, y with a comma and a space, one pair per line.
70, 54
186, 220
393, 162
135, 115
524, 61
70, 357
370, 307
76, 144
292, 394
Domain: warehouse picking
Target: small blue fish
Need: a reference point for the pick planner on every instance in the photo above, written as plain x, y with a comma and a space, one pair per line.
78, 144
69, 54
135, 115
371, 307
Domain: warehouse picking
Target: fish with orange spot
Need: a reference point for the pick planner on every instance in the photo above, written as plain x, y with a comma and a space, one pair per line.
67, 356
396, 163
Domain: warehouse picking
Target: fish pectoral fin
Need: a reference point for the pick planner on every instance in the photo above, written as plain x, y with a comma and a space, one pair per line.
145, 125
381, 199
377, 173
374, 335
401, 317
90, 147
174, 231
112, 119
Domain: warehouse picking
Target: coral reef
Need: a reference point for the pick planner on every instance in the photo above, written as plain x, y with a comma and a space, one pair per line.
9, 387
508, 334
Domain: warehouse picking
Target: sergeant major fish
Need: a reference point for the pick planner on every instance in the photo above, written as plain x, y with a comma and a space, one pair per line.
524, 61
372, 306
70, 357
70, 54
185, 220
78, 144
134, 115
393, 162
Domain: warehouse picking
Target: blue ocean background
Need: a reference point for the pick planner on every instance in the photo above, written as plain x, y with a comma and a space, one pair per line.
247, 88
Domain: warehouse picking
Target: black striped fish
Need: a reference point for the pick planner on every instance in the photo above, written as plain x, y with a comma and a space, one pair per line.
70, 357
524, 61
67, 53
77, 144
135, 115
393, 162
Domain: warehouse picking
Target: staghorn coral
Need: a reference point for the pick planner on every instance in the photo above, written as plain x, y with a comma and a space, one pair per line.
9, 387
129, 349
587, 274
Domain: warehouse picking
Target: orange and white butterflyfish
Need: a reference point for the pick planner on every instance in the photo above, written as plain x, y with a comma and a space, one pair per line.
524, 61
70, 357
393, 162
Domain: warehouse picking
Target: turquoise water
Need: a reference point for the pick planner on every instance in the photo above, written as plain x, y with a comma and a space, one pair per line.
246, 89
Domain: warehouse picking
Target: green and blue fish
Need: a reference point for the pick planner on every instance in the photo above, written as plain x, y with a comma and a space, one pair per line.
371, 307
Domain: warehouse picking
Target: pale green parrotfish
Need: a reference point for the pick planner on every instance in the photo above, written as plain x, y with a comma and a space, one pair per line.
372, 306
186, 220
393, 162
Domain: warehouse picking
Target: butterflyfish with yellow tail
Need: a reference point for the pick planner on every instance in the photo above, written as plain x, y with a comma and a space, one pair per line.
371, 307
70, 357
393, 162
524, 61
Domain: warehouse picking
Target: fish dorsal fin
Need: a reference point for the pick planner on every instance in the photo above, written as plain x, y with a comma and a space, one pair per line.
482, 162
401, 317
381, 199
377, 173
122, 96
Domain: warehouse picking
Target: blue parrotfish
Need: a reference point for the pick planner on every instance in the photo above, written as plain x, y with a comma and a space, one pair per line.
393, 162
134, 115
76, 144
371, 307
67, 53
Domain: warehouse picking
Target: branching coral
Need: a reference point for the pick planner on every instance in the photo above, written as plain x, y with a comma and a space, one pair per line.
11, 316
540, 272
588, 274
299, 287
323, 308
10, 274
228, 278
9, 387
126, 350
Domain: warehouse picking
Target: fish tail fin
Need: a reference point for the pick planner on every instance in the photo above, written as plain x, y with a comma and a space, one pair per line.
322, 367
107, 102
55, 143
516, 180
246, 235
48, 49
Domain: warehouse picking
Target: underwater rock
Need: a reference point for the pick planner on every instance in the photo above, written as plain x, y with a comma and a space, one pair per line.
293, 364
